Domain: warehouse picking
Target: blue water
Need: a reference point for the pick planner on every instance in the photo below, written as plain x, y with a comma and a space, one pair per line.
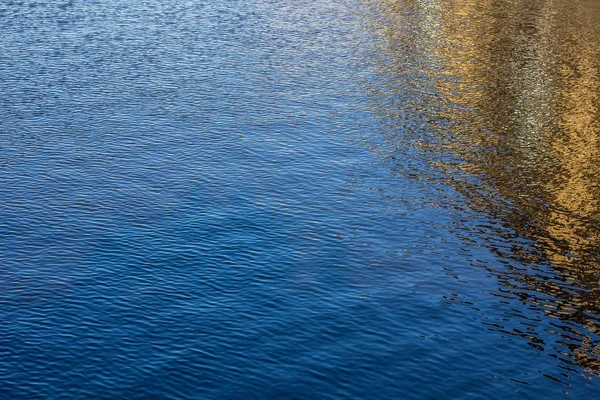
326, 199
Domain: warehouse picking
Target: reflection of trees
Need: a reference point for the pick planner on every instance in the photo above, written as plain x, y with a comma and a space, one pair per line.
508, 96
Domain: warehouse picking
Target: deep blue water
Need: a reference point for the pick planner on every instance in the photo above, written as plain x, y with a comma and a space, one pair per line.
325, 199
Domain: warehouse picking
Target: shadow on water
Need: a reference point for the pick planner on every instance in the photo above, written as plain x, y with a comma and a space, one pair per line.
495, 105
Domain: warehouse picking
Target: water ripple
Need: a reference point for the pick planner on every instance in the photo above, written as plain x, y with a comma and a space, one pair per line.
307, 199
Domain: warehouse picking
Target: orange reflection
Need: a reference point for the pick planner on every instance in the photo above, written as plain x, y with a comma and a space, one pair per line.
509, 92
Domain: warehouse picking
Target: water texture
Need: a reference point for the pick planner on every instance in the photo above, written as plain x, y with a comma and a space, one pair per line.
317, 199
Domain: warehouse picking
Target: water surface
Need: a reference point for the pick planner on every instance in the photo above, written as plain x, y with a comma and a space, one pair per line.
299, 199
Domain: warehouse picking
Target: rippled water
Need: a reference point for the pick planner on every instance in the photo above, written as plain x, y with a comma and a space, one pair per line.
299, 199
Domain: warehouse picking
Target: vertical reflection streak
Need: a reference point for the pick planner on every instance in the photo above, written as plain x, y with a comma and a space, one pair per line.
499, 99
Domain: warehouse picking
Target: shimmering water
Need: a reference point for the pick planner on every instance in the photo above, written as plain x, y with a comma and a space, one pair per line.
299, 199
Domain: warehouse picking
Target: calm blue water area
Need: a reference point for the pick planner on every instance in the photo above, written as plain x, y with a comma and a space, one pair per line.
242, 200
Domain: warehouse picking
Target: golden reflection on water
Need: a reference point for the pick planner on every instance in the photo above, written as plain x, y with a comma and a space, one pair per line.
508, 92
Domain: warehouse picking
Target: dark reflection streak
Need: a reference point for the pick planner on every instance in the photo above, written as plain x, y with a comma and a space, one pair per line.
498, 100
